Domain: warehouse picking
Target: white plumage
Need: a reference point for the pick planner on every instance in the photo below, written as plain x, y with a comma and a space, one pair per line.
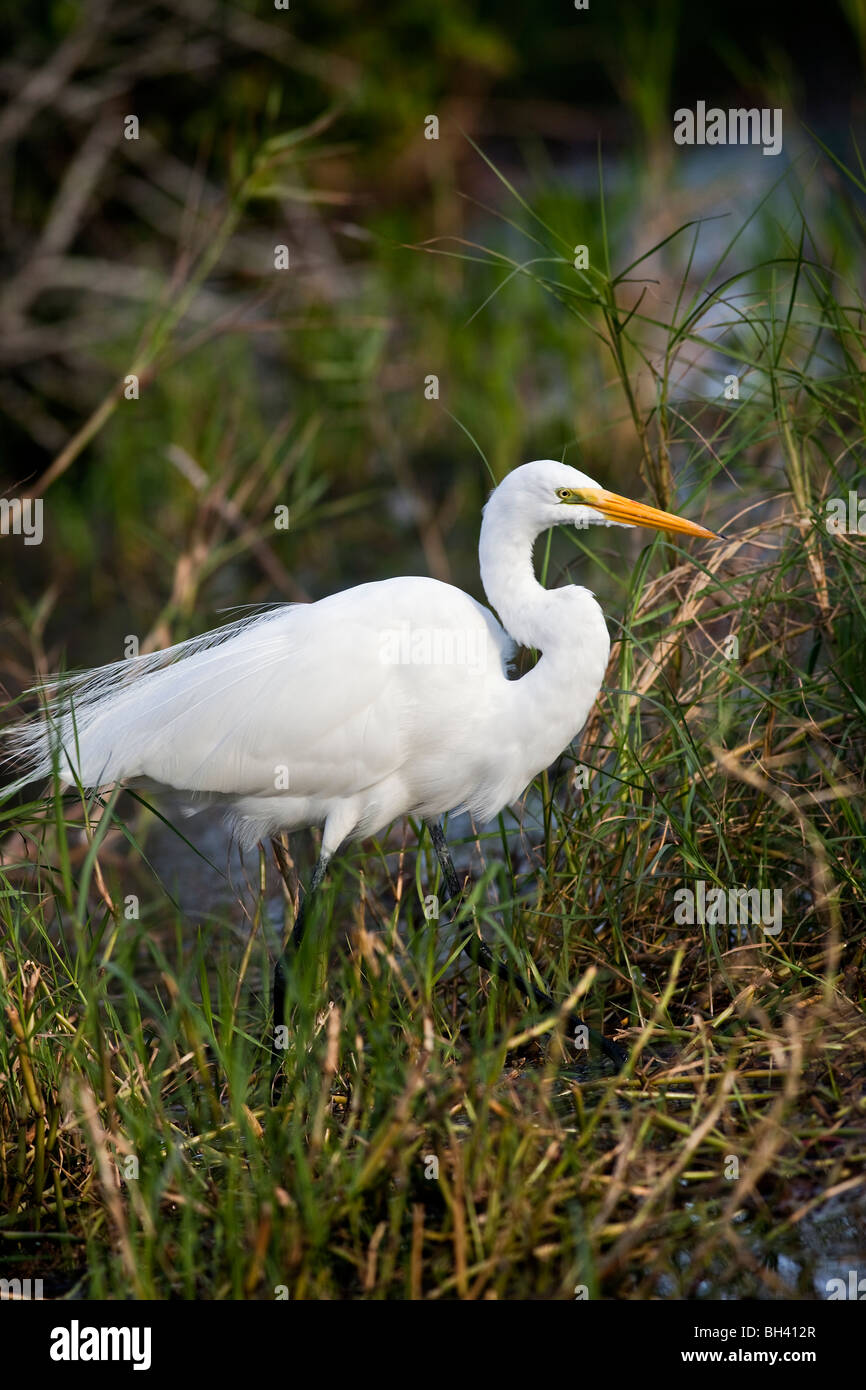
385, 699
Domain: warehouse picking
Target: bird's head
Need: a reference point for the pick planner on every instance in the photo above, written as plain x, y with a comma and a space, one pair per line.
548, 493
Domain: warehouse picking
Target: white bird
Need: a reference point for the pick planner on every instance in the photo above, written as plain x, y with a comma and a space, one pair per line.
390, 699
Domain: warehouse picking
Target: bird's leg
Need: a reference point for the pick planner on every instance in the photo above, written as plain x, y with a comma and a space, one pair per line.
475, 948
479, 953
443, 854
295, 939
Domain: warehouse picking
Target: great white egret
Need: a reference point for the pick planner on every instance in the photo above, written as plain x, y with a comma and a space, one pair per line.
393, 698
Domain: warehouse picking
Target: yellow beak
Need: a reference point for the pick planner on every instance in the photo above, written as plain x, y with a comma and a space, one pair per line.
618, 508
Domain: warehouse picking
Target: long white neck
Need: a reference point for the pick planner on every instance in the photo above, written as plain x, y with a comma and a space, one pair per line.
566, 625
505, 558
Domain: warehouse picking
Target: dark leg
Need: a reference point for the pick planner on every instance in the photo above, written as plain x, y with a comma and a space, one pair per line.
294, 941
478, 951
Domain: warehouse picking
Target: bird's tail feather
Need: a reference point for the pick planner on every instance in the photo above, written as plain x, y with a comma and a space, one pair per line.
94, 725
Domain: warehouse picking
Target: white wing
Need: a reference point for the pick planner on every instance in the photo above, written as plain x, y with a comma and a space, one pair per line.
307, 698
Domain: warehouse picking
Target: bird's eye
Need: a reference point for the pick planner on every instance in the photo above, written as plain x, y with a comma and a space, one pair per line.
564, 493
